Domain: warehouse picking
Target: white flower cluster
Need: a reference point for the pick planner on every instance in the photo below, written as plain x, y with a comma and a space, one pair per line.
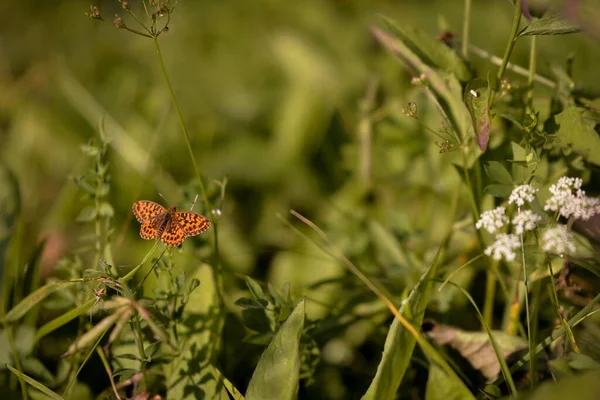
570, 201
492, 220
526, 220
504, 247
522, 194
558, 240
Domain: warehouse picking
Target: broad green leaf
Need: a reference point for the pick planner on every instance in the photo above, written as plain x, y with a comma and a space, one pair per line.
476, 97
440, 386
549, 25
278, 371
431, 48
498, 190
583, 387
192, 374
34, 383
577, 133
519, 170
498, 173
399, 343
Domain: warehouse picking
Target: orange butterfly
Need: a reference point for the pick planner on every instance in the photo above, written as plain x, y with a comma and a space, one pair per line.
171, 226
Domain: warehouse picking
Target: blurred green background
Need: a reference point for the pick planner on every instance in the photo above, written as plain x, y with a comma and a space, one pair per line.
271, 92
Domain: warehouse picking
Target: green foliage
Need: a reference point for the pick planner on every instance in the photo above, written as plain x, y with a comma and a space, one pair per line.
396, 213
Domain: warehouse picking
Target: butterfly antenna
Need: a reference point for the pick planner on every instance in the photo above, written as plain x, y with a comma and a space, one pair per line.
194, 202
163, 197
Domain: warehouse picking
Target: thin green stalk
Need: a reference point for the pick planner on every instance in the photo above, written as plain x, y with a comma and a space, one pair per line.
108, 370
490, 294
561, 317
139, 339
510, 45
528, 316
218, 276
186, 135
132, 273
16, 358
531, 76
465, 33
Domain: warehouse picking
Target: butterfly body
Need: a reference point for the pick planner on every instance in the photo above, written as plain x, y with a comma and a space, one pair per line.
169, 225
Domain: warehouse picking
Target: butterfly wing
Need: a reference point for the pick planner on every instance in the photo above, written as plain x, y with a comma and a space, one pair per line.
191, 223
173, 235
149, 230
145, 210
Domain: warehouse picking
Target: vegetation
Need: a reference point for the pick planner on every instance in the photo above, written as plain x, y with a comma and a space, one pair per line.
402, 200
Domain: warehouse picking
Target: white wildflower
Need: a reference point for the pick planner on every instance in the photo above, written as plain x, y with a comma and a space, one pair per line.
504, 247
558, 240
526, 220
492, 220
522, 194
570, 200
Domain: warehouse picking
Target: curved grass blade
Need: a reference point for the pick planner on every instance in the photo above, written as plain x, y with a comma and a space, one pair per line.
35, 298
35, 383
63, 319
399, 343
278, 370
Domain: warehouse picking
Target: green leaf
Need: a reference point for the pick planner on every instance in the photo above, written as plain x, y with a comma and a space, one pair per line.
278, 370
86, 215
498, 190
34, 383
583, 387
427, 46
191, 375
106, 210
519, 170
249, 303
498, 173
577, 133
549, 25
399, 343
35, 298
440, 386
476, 97
255, 288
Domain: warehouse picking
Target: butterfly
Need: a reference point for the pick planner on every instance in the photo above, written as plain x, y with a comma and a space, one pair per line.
169, 225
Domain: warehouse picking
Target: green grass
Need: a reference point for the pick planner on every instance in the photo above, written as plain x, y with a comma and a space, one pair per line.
347, 158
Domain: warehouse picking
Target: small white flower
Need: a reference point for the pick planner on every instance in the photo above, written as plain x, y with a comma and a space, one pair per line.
570, 201
504, 247
492, 220
558, 240
526, 220
522, 194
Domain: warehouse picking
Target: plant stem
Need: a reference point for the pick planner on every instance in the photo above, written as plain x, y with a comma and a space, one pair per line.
217, 261
528, 316
465, 33
217, 270
531, 76
510, 45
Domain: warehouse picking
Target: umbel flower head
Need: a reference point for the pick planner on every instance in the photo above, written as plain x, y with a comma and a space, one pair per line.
558, 240
492, 220
522, 194
504, 247
570, 201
